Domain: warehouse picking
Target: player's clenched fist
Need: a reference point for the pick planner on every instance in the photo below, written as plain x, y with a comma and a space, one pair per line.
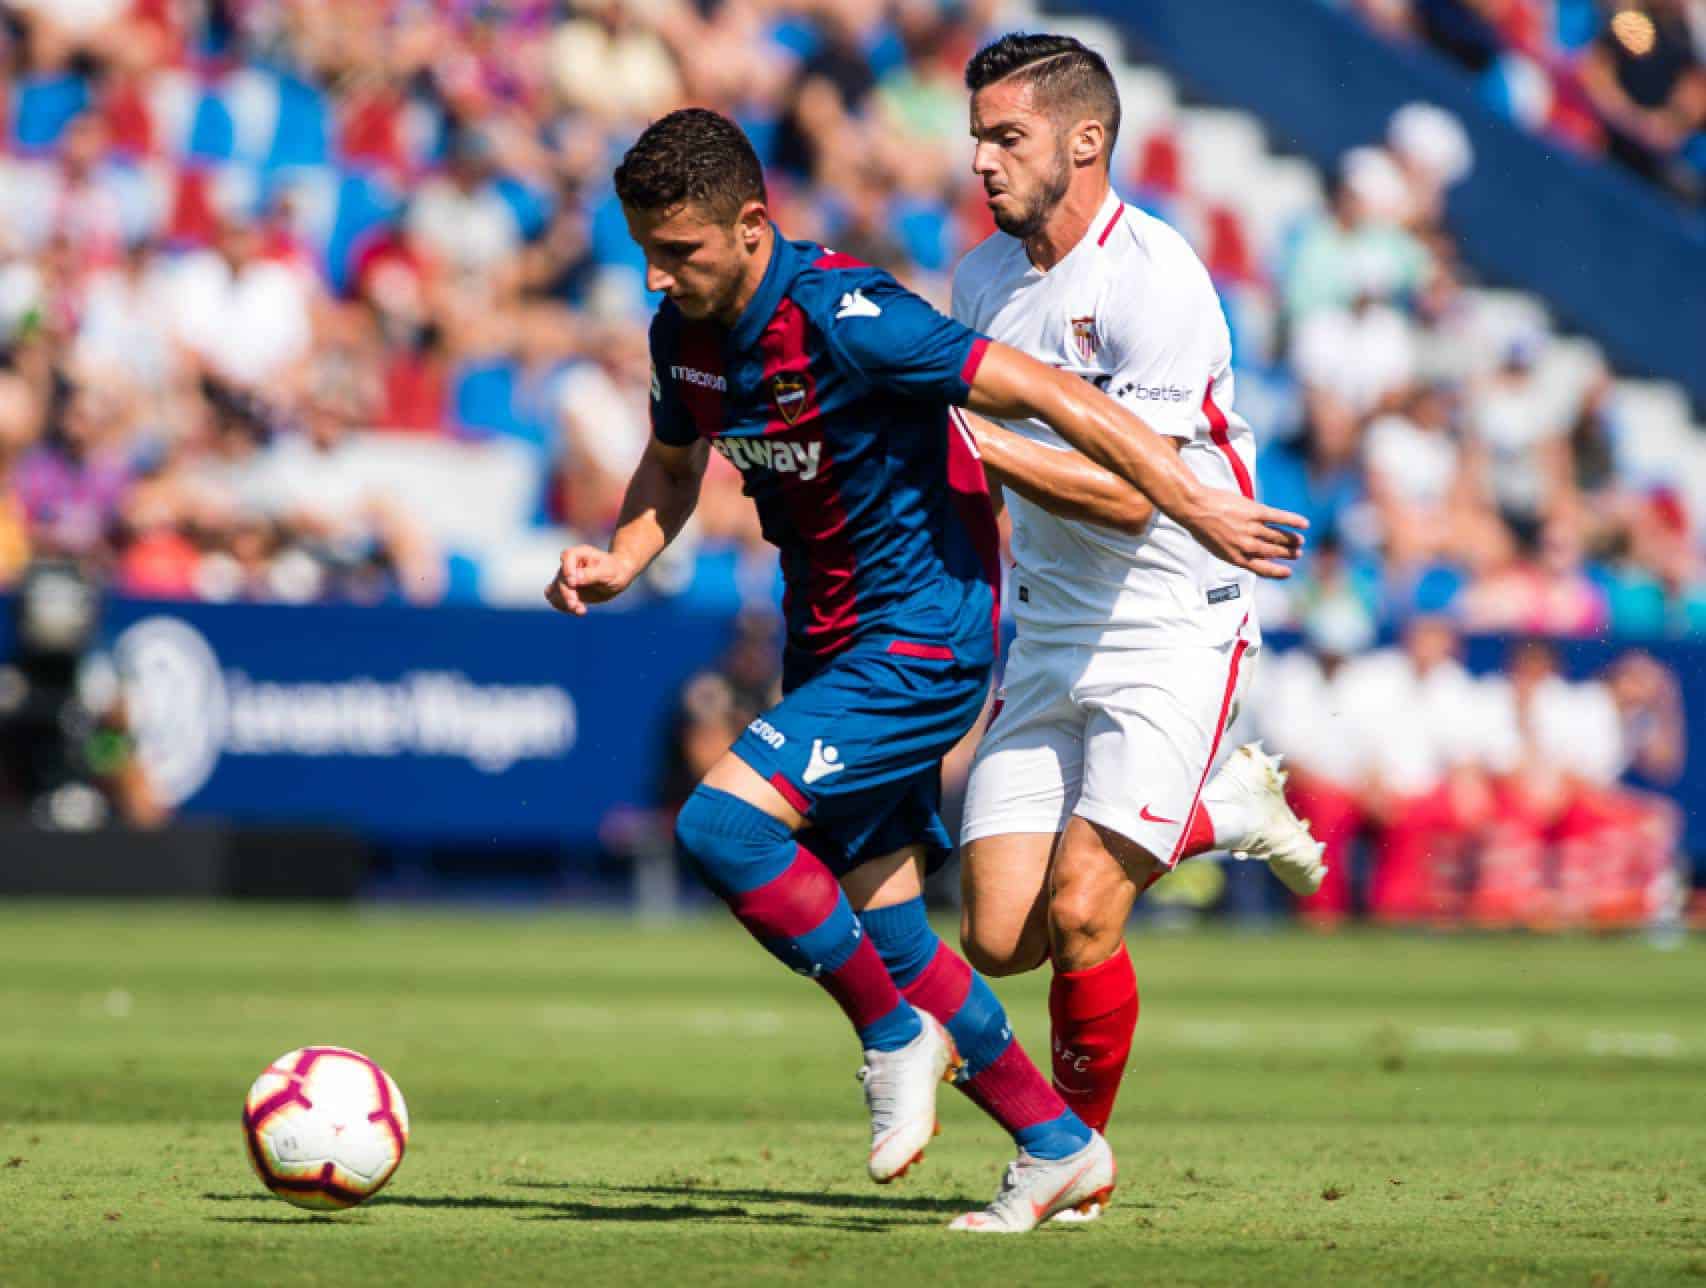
587, 575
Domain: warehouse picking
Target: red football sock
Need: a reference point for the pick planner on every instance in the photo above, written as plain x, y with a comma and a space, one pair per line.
1094, 1014
1199, 837
1000, 1078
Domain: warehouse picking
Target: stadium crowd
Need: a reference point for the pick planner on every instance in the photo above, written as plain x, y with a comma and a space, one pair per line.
1625, 78
261, 261
305, 301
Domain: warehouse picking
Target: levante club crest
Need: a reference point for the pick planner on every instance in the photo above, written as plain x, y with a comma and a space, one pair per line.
789, 391
1084, 341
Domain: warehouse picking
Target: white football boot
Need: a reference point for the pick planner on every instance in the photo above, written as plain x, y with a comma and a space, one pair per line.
1036, 1189
1250, 788
900, 1090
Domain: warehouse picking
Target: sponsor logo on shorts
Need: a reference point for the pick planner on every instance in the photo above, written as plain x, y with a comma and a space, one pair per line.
1147, 817
1223, 594
1024, 594
824, 762
767, 733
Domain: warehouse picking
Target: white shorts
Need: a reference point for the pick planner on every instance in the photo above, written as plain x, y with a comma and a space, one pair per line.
1121, 737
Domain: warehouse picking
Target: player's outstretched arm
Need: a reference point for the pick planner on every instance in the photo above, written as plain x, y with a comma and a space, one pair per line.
1062, 483
660, 499
1010, 385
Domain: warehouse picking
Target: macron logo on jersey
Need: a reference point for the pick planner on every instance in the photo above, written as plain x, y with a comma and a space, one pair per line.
855, 305
744, 454
704, 379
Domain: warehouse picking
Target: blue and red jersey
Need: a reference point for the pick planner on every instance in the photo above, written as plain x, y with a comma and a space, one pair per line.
830, 394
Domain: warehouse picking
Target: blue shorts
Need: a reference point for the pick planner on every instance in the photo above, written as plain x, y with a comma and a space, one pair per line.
856, 745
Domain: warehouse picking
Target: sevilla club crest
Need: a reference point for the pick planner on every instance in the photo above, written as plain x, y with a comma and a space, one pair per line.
789, 391
1084, 342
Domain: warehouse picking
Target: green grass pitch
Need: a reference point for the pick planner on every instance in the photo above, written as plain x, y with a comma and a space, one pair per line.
606, 1104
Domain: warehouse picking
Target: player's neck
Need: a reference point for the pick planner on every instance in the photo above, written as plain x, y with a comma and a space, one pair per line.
1069, 222
750, 280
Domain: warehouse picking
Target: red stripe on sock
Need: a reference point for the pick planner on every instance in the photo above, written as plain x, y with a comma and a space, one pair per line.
863, 987
1094, 1015
1012, 1091
792, 904
942, 986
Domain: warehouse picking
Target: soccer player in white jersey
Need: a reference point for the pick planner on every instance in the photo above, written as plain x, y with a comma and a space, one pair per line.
1134, 643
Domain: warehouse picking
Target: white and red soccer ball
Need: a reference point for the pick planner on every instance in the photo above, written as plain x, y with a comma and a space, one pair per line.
325, 1127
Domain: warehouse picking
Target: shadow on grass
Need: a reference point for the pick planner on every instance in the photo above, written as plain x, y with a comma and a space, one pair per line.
801, 1198
571, 1210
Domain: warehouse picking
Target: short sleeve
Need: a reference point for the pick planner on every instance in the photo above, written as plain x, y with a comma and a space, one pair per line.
898, 342
671, 422
1166, 351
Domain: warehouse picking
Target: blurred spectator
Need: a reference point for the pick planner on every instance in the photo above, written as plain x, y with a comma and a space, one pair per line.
73, 481
1645, 77
19, 423
1627, 75
608, 62
1649, 707
311, 488
1386, 746
1535, 583
66, 754
717, 703
1432, 150
1568, 844
606, 421
462, 219
1361, 247
243, 317
1418, 481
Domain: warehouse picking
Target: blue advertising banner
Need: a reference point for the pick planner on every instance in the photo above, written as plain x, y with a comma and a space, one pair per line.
449, 724
471, 724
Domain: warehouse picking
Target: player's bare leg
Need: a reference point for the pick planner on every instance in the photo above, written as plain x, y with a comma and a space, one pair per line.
1093, 1002
739, 829
1004, 902
1061, 1162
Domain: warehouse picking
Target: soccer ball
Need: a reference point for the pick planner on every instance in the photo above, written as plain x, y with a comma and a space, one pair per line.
325, 1127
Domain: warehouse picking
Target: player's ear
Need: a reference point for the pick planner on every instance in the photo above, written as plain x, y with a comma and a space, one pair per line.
750, 223
1089, 137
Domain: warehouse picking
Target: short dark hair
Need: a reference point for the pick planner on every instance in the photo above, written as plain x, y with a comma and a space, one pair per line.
1070, 80
691, 155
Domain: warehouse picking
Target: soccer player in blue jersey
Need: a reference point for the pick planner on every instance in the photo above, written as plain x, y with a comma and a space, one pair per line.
828, 386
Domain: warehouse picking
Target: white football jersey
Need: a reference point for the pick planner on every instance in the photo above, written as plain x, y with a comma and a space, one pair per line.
1132, 310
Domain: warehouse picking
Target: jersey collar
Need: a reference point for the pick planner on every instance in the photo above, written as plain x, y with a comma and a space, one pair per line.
1102, 226
777, 274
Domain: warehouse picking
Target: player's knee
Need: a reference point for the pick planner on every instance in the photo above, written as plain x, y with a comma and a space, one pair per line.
736, 846
1081, 915
999, 953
